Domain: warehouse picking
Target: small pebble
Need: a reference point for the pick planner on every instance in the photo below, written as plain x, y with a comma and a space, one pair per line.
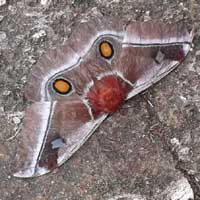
175, 142
146, 16
1, 109
16, 120
184, 99
198, 53
3, 40
181, 4
39, 34
2, 2
1, 18
2, 36
6, 92
44, 2
31, 60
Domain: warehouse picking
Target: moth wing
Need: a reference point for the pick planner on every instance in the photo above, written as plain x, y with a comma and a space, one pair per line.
150, 51
69, 55
52, 132
152, 33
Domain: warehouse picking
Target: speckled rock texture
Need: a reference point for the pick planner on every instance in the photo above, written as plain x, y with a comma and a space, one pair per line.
149, 149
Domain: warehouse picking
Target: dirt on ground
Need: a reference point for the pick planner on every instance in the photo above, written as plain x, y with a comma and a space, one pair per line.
149, 149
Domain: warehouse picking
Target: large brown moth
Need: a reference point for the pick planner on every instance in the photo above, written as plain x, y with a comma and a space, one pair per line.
75, 87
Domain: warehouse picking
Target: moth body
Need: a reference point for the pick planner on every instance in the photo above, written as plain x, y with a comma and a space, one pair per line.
107, 94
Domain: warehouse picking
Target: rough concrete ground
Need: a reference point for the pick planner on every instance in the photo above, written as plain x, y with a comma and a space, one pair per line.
150, 149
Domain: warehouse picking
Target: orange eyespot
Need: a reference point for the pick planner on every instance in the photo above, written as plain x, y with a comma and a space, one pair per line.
106, 49
62, 86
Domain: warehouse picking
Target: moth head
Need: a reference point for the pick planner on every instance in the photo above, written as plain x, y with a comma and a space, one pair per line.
107, 94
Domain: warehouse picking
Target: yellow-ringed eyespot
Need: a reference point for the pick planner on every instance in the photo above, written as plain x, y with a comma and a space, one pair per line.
62, 86
106, 49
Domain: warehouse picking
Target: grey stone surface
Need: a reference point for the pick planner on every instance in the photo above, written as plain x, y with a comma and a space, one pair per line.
148, 150
2, 2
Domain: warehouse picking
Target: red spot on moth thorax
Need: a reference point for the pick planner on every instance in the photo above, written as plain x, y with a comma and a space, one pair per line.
107, 94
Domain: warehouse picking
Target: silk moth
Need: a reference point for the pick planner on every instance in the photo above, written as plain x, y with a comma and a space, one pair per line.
75, 87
